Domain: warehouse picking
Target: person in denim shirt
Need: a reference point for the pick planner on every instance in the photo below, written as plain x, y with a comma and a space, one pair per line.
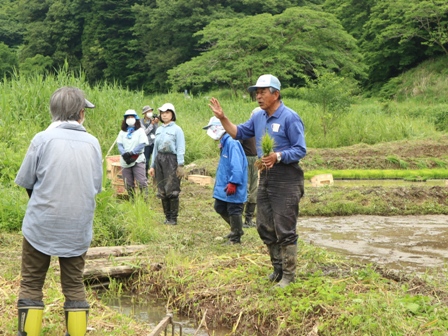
167, 163
62, 173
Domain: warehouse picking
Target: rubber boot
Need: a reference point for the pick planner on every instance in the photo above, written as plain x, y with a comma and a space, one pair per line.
276, 260
174, 211
76, 314
289, 263
145, 193
166, 209
30, 317
227, 219
131, 193
236, 227
249, 214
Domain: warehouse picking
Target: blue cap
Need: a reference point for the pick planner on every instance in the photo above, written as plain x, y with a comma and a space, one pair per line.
266, 81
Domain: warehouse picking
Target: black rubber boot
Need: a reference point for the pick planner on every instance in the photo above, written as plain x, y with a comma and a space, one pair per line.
227, 219
76, 314
248, 215
131, 193
145, 193
276, 260
289, 259
166, 209
236, 227
30, 317
174, 211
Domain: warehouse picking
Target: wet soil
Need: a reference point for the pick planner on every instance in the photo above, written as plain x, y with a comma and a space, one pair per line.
413, 154
386, 236
404, 243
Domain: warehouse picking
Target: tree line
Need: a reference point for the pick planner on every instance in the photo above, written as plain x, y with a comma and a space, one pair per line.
201, 45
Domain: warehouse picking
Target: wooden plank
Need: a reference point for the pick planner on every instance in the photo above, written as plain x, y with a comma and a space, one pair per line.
322, 180
109, 271
201, 179
106, 251
117, 267
161, 327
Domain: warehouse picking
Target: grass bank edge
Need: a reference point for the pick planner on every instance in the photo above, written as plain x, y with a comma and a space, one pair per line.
331, 295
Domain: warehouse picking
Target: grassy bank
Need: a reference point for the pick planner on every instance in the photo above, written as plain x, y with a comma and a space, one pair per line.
226, 285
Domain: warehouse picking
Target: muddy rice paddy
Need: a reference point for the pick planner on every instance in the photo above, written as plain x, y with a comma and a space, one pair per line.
405, 243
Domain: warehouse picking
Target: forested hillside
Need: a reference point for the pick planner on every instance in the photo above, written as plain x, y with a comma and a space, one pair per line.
203, 45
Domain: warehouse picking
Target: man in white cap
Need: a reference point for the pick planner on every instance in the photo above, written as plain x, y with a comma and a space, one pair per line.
230, 190
281, 185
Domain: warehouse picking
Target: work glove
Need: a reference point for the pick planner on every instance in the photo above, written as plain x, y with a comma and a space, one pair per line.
230, 189
180, 171
128, 157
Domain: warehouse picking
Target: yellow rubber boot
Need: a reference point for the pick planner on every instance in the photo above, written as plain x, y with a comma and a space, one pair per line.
76, 320
30, 320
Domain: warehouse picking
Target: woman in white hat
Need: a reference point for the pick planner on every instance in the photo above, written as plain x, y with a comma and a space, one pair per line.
131, 142
167, 162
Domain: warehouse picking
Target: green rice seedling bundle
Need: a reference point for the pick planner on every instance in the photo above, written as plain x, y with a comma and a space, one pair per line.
267, 147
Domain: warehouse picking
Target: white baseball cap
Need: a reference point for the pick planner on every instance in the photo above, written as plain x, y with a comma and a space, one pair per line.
213, 122
167, 106
266, 81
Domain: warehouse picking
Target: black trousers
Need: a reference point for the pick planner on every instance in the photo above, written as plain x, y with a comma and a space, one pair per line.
279, 191
228, 209
168, 184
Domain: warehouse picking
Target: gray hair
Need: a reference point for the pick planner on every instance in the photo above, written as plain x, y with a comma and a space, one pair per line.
273, 90
66, 104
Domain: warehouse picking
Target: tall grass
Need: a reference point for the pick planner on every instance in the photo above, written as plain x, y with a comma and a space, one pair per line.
24, 111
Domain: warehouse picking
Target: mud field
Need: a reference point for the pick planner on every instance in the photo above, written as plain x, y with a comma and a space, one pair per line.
405, 243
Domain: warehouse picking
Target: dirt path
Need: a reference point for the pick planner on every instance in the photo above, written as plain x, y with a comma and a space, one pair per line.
408, 243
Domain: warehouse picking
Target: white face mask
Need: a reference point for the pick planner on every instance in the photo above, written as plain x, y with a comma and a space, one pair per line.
149, 115
130, 121
215, 132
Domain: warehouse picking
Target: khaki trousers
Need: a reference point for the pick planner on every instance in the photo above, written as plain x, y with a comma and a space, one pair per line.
34, 270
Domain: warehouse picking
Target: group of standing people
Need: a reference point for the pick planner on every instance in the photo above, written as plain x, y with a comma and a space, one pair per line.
62, 173
158, 150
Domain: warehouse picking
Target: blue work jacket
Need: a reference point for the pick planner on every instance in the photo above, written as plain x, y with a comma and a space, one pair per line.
232, 167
